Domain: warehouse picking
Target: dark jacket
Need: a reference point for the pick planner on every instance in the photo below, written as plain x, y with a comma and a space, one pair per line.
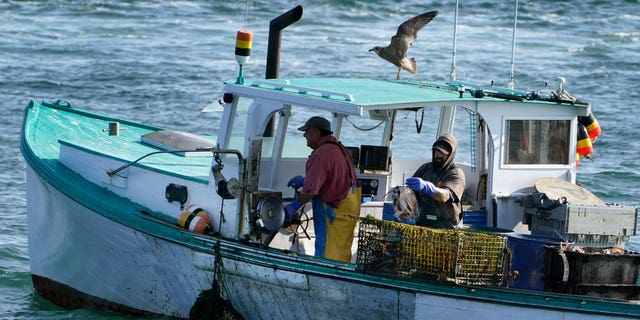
450, 177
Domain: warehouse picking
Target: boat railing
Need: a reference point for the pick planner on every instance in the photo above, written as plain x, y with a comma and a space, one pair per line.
302, 90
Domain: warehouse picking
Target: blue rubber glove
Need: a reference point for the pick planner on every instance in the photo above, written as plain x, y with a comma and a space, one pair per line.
291, 209
426, 187
296, 182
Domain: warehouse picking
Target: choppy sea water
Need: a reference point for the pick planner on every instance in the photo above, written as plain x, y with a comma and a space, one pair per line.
160, 62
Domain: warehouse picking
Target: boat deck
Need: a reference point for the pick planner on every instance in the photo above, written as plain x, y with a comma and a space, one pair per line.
79, 130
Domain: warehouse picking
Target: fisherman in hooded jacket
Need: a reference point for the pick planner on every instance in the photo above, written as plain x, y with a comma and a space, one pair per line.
439, 186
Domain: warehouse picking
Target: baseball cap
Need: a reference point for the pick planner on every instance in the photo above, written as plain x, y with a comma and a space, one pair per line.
442, 146
318, 123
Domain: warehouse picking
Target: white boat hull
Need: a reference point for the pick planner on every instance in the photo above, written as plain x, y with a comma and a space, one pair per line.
80, 258
72, 245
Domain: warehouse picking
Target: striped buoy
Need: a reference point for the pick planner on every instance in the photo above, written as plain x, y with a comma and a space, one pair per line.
195, 219
195, 209
243, 46
593, 128
584, 146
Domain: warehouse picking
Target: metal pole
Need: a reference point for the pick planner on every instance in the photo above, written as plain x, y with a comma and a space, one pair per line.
455, 38
512, 78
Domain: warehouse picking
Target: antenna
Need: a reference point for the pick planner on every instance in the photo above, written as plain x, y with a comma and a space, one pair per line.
512, 77
455, 38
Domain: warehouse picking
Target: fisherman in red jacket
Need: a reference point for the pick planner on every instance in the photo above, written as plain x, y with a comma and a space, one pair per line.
330, 183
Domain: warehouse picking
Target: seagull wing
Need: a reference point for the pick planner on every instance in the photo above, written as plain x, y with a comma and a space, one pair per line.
406, 34
409, 29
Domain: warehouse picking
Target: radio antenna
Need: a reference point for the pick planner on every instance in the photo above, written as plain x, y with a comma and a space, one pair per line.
455, 38
512, 77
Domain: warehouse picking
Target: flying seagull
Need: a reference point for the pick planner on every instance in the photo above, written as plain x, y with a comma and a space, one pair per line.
396, 51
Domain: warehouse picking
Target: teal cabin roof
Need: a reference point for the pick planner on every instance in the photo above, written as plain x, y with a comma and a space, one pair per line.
383, 94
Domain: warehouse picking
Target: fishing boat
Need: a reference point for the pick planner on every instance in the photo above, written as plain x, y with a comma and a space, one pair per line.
134, 218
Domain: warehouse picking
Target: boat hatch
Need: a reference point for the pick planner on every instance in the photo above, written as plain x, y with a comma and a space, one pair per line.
172, 140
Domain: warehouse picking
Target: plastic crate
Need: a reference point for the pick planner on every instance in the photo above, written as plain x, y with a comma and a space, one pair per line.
585, 225
408, 251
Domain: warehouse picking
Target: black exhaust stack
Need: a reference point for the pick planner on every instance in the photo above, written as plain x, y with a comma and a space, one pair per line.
273, 49
275, 38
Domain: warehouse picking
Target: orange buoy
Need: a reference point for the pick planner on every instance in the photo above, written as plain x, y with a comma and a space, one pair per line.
243, 51
577, 160
195, 209
193, 222
584, 146
593, 128
244, 39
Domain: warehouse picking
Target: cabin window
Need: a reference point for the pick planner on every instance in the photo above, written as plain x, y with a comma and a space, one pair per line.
414, 132
366, 130
238, 124
295, 145
537, 142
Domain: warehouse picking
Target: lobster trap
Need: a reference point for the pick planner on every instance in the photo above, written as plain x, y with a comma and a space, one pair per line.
413, 252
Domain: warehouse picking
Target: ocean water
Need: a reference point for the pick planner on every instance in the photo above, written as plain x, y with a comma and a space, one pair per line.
160, 62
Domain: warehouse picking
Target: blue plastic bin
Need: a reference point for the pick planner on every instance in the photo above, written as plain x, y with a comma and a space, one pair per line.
476, 218
528, 258
388, 212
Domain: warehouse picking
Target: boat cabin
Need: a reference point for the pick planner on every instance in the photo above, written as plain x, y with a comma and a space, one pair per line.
506, 141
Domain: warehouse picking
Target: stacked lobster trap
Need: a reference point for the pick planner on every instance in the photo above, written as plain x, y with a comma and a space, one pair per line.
412, 252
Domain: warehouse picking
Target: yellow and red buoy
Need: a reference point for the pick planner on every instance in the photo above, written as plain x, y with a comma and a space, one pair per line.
195, 209
593, 128
244, 39
588, 131
195, 219
584, 146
